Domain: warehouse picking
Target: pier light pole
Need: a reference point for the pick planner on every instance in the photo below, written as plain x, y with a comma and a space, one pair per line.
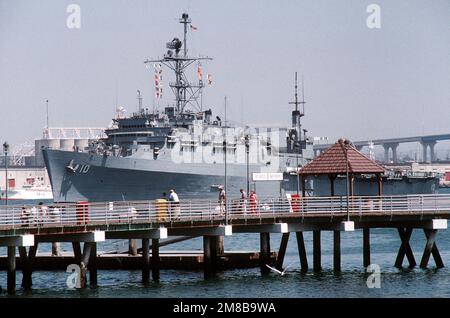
225, 161
247, 150
5, 151
297, 145
347, 181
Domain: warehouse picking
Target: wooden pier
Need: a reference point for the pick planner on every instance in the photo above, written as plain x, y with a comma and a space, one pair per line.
145, 220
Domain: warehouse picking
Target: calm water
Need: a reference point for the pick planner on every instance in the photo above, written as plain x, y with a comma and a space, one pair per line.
249, 283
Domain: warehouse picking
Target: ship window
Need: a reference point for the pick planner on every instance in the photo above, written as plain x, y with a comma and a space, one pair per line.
30, 180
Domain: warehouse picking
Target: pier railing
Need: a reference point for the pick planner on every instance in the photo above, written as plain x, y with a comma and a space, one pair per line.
159, 211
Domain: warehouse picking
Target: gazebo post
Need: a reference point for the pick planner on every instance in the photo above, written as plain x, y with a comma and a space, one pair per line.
332, 177
379, 184
303, 186
380, 189
352, 179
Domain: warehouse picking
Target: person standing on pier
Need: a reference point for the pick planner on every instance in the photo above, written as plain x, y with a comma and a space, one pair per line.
222, 200
25, 216
42, 213
243, 201
174, 204
253, 202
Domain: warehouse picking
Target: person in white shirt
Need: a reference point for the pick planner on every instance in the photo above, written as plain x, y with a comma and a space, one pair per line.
174, 204
222, 200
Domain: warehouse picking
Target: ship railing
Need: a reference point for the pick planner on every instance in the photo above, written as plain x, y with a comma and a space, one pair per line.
168, 213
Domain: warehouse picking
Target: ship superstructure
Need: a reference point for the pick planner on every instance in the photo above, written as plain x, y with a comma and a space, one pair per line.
181, 146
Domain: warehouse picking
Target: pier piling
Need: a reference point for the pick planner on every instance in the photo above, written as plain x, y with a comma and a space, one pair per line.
282, 251
56, 249
145, 260
219, 251
132, 247
156, 261
264, 256
93, 264
214, 252
27, 264
337, 251
317, 254
207, 261
405, 248
84, 263
11, 270
431, 248
366, 247
302, 252
77, 252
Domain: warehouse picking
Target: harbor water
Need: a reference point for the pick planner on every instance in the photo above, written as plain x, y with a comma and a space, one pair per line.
248, 283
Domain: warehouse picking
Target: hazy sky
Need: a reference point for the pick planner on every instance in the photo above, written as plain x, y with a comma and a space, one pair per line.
359, 82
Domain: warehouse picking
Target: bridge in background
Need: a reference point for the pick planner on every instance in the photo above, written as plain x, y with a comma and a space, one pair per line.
392, 144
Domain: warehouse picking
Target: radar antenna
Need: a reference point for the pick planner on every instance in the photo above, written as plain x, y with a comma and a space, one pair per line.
186, 93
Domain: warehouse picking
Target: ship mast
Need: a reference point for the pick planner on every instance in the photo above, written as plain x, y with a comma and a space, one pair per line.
297, 114
186, 93
139, 98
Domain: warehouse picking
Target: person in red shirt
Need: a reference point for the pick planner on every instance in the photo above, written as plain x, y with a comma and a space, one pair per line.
253, 202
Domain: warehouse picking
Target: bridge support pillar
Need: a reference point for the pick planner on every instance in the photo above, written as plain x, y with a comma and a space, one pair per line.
432, 152
264, 255
425, 145
386, 153
392, 146
424, 152
394, 153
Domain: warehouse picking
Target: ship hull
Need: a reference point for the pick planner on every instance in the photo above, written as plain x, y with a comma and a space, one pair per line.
85, 177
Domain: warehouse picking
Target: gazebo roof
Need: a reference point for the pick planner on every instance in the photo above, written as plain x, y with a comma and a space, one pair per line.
333, 161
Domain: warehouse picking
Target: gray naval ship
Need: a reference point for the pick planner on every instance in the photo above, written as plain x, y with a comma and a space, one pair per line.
184, 147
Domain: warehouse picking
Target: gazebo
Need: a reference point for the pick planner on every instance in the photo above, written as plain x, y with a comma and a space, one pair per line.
341, 158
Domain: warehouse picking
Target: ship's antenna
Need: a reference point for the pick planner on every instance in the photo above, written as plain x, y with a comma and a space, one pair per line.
296, 102
186, 93
185, 21
139, 98
296, 95
303, 96
46, 106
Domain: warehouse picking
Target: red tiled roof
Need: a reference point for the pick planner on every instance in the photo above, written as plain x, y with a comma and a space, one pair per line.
333, 161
